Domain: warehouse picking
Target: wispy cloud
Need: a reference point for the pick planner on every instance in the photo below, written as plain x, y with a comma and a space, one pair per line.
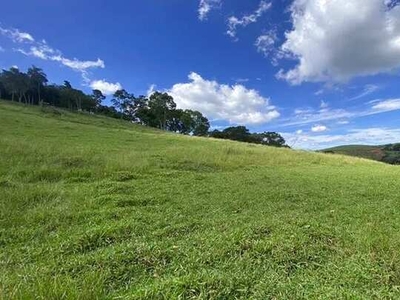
2, 49
386, 105
43, 51
313, 116
265, 44
152, 88
206, 6
368, 89
16, 36
29, 46
361, 136
234, 22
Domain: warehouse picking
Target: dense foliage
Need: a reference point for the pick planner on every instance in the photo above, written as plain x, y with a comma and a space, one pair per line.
158, 110
241, 133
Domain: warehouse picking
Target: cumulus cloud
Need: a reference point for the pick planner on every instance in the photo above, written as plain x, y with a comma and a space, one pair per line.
234, 22
364, 136
206, 6
235, 104
16, 36
107, 88
336, 40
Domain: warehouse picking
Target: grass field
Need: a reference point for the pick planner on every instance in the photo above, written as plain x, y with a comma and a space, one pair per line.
363, 151
96, 208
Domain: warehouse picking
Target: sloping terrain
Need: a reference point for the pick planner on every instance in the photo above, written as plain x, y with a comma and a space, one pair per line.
92, 207
385, 153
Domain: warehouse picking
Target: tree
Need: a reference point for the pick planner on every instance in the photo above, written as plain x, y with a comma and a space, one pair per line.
201, 125
98, 97
238, 133
67, 85
161, 105
121, 101
270, 139
16, 82
38, 79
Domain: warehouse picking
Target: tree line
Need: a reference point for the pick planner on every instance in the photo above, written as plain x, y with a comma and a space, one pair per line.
158, 110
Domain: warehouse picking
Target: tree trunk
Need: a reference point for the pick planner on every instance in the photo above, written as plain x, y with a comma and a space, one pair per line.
39, 93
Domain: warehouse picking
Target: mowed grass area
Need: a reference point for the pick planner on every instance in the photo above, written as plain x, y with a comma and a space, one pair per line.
95, 208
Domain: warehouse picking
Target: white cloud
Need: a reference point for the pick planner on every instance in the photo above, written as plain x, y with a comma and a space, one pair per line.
43, 51
2, 49
151, 90
16, 36
365, 136
323, 104
206, 6
242, 80
337, 40
309, 116
265, 44
235, 104
107, 88
234, 22
386, 105
368, 89
319, 128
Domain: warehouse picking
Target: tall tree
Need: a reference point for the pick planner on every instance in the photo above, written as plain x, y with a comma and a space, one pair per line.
98, 97
161, 105
12, 81
121, 101
38, 79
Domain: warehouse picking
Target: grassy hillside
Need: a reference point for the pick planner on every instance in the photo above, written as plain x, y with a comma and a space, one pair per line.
92, 207
384, 153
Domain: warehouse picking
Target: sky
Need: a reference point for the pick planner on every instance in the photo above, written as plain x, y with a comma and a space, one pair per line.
320, 72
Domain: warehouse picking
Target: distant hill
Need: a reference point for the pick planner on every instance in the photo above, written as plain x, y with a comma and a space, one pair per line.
385, 153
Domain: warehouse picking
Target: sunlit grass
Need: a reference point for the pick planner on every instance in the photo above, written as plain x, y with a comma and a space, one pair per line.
92, 207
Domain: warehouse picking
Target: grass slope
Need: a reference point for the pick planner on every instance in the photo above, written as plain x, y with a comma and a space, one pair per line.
385, 153
363, 151
95, 208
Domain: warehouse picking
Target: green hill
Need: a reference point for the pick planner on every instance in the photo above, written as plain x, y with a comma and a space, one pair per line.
385, 153
96, 208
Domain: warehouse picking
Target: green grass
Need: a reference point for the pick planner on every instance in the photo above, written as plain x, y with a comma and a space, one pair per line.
377, 153
95, 208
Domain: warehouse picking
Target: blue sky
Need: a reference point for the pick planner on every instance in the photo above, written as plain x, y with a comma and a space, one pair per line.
322, 73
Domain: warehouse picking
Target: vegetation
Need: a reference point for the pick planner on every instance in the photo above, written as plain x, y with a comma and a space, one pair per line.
93, 207
387, 153
241, 133
158, 111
